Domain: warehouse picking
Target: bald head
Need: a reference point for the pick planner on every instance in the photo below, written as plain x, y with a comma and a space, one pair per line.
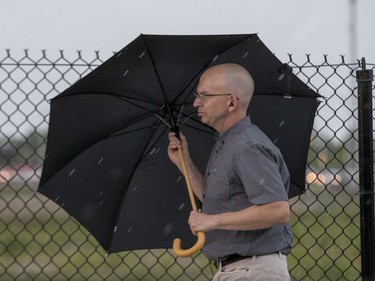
235, 79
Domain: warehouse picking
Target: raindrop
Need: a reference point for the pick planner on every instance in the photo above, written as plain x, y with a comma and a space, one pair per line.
157, 150
168, 228
215, 58
62, 205
101, 203
134, 189
115, 229
181, 206
45, 157
276, 140
261, 182
179, 178
130, 229
126, 72
72, 172
100, 161
57, 198
119, 54
281, 77
106, 254
101, 193
142, 55
245, 55
281, 123
152, 151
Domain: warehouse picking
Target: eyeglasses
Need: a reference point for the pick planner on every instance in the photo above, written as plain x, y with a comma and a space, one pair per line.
203, 95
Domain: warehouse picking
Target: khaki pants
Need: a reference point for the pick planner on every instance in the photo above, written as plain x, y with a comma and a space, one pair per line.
258, 268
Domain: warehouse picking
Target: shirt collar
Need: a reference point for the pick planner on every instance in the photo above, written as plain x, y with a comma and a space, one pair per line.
235, 129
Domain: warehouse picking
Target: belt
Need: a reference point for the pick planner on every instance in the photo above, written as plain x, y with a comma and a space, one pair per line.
230, 259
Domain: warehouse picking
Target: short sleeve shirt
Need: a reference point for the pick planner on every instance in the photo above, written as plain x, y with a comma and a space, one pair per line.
245, 169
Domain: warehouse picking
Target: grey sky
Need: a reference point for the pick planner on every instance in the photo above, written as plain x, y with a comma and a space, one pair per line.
298, 27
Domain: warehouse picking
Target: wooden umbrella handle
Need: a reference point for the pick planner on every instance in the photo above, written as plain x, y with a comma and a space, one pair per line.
191, 251
201, 236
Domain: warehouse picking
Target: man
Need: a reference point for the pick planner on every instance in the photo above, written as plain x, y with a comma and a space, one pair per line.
245, 209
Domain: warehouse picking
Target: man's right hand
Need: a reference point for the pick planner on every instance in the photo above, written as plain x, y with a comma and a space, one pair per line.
174, 145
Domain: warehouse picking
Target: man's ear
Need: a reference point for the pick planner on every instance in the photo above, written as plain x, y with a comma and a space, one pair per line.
231, 105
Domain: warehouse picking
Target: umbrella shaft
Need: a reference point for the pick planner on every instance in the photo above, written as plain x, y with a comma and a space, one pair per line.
187, 180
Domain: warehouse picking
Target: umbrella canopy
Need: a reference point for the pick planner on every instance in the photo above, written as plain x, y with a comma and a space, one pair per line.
106, 161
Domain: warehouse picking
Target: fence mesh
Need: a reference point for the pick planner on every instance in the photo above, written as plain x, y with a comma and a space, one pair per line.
40, 241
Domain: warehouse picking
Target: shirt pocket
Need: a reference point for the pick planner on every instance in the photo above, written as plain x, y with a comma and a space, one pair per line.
219, 184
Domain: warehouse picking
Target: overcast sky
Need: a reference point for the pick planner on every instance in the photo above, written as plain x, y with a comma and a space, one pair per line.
297, 27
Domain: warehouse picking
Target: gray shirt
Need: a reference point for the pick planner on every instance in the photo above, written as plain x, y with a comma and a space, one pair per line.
245, 169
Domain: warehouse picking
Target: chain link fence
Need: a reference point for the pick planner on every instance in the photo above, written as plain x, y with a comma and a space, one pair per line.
39, 241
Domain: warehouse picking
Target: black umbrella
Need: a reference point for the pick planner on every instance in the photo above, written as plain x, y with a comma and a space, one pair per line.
106, 161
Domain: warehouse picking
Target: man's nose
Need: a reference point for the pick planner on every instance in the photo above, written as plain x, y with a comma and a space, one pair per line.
196, 102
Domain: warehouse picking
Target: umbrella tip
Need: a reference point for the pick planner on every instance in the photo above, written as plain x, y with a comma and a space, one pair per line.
284, 69
363, 63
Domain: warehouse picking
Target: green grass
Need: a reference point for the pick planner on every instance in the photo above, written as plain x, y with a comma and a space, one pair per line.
39, 241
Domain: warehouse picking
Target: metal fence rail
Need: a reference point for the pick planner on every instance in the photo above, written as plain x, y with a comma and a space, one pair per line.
39, 241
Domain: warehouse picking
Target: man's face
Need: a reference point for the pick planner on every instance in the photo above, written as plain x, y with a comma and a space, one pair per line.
212, 109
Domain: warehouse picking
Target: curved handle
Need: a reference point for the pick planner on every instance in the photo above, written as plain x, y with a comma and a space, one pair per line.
191, 251
201, 236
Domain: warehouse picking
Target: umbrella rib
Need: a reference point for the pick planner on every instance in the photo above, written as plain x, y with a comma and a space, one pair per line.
134, 130
186, 119
128, 132
180, 113
154, 68
125, 99
173, 121
161, 118
128, 100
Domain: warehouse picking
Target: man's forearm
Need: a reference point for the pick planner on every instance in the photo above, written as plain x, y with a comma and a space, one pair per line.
252, 218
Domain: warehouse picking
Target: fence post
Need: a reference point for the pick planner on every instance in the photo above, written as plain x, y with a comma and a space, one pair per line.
366, 171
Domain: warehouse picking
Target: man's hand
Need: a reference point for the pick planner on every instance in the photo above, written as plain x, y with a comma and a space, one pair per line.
174, 145
201, 222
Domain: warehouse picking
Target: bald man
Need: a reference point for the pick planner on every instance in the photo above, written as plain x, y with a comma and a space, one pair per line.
245, 209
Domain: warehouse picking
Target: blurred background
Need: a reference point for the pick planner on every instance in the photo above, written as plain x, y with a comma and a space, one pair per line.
335, 27
46, 46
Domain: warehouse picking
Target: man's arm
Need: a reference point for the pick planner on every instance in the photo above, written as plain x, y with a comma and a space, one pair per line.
252, 218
